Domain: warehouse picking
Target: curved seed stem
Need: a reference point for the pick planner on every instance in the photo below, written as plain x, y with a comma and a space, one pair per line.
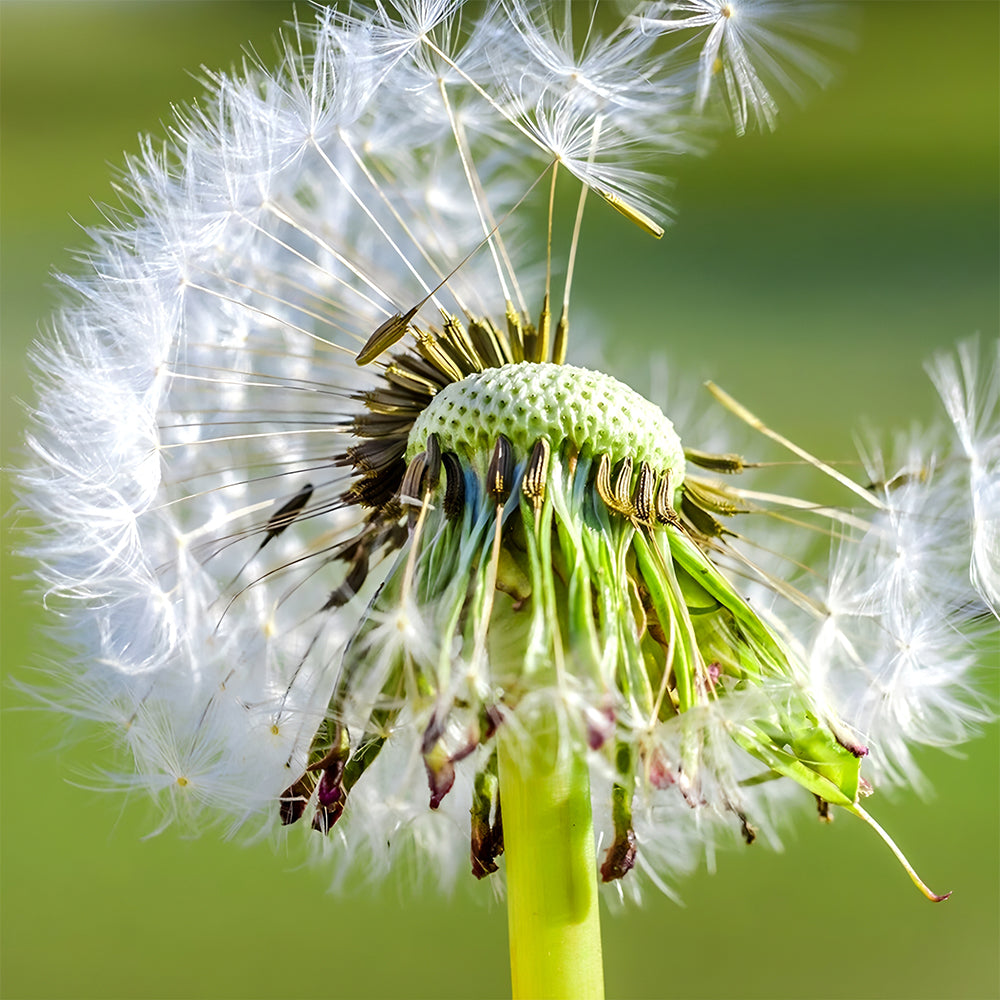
891, 844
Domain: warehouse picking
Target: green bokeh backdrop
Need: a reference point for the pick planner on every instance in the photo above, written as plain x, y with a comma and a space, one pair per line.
810, 272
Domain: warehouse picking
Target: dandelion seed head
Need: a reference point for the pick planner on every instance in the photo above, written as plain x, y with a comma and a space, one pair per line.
323, 510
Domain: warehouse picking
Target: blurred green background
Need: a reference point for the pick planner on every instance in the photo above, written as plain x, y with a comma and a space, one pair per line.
810, 272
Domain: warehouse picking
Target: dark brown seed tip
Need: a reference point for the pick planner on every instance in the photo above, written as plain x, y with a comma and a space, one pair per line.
385, 336
440, 778
501, 470
823, 810
292, 802
620, 858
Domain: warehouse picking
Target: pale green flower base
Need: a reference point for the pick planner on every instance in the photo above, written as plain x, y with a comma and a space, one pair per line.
552, 898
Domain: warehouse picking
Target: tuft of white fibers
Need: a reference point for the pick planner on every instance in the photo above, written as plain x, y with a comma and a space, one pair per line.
751, 50
905, 632
969, 384
264, 582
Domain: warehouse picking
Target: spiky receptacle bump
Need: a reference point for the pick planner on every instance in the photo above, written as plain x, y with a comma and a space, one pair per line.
592, 412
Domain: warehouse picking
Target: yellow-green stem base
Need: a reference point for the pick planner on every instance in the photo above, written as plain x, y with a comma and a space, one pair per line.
552, 899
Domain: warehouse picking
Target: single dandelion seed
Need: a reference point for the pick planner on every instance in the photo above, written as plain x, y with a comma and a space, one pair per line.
344, 543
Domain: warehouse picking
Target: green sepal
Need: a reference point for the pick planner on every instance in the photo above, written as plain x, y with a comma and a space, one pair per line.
670, 607
694, 562
698, 599
828, 758
824, 768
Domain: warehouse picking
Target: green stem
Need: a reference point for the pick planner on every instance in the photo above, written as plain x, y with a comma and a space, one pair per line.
548, 832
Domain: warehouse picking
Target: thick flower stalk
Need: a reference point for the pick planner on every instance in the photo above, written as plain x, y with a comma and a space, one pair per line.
340, 540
